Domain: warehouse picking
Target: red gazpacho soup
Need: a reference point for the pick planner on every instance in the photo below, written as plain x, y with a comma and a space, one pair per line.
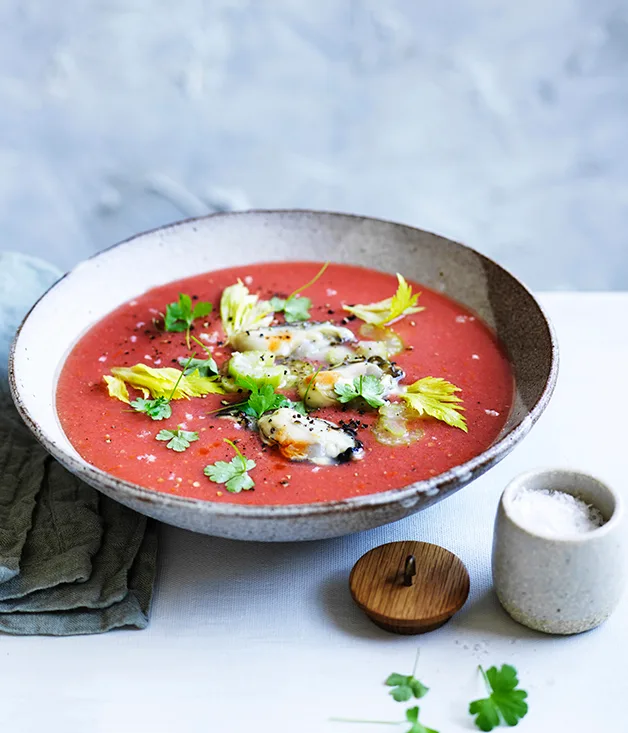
285, 383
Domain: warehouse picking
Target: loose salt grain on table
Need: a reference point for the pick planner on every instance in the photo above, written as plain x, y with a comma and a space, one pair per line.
553, 512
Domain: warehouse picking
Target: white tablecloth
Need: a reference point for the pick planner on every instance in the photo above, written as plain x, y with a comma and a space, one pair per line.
253, 637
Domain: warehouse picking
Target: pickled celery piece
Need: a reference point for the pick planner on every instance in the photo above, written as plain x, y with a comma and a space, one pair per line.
372, 348
240, 310
260, 367
394, 426
391, 340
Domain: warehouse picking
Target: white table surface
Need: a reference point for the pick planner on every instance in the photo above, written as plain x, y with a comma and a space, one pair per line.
254, 637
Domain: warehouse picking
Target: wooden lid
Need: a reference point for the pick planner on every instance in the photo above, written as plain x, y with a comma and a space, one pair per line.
409, 587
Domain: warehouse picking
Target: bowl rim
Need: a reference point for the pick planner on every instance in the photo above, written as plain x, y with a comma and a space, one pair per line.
429, 487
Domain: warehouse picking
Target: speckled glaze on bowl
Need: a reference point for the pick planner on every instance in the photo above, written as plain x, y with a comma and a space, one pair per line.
116, 275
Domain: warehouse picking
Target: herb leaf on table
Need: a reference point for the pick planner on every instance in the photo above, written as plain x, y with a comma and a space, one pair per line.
179, 440
412, 715
233, 474
505, 702
405, 687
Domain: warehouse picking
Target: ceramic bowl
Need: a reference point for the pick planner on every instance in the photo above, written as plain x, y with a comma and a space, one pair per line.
116, 275
560, 585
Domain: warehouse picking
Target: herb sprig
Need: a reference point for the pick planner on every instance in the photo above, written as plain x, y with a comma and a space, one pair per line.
262, 399
366, 386
179, 440
504, 702
157, 409
233, 474
206, 367
404, 688
180, 315
296, 307
412, 716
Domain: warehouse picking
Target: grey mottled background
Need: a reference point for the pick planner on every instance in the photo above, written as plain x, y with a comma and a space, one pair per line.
501, 124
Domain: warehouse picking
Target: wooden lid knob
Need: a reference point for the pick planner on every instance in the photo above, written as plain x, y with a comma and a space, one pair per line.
409, 587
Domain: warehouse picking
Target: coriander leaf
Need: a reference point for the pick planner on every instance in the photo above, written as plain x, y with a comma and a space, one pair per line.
158, 409
277, 304
180, 315
504, 702
179, 440
233, 474
201, 309
205, 367
412, 716
221, 471
487, 715
402, 303
436, 397
405, 687
239, 482
297, 308
366, 386
262, 398
371, 389
298, 406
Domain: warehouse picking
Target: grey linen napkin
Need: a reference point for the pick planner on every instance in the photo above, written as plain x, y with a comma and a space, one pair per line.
71, 561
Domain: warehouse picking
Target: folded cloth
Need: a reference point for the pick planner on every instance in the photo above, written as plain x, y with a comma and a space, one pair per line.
71, 561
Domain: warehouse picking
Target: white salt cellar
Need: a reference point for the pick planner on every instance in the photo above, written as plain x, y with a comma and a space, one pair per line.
560, 551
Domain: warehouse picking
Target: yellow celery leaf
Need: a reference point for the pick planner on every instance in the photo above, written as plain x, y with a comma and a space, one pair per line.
240, 310
161, 382
402, 303
437, 398
117, 388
